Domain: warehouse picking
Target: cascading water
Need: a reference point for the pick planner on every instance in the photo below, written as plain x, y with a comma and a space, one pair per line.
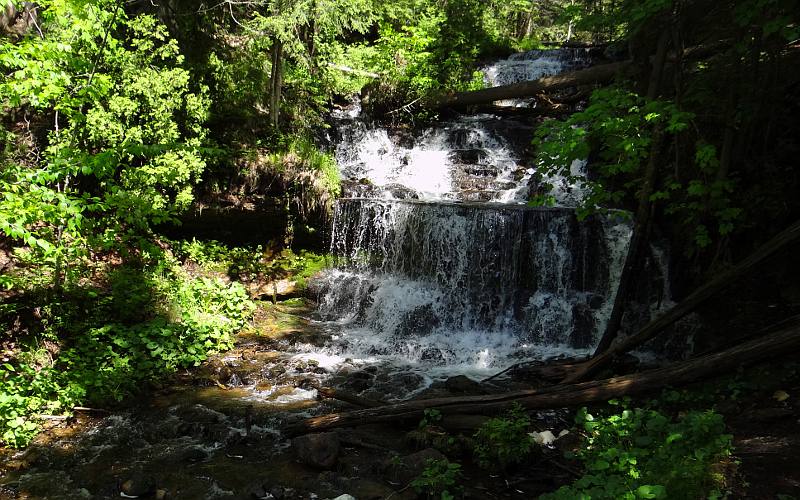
441, 266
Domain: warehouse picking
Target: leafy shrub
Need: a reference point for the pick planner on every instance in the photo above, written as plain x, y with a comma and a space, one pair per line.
185, 320
250, 263
25, 392
617, 130
642, 453
503, 441
440, 479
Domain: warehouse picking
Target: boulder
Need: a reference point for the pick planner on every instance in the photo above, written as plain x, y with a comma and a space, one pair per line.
138, 484
317, 450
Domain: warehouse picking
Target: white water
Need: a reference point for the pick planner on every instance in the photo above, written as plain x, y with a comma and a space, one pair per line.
443, 270
532, 65
467, 288
433, 167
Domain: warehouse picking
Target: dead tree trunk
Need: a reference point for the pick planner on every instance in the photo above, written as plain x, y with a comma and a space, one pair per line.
639, 240
559, 396
686, 306
596, 74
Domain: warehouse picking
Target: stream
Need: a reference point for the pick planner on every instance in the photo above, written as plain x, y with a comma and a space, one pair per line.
441, 270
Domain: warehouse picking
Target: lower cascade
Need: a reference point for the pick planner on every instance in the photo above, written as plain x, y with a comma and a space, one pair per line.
468, 286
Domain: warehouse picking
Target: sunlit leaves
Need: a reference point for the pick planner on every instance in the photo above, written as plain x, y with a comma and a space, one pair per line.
644, 454
122, 111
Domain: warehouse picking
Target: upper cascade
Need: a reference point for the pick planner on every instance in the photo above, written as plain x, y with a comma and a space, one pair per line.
532, 65
471, 158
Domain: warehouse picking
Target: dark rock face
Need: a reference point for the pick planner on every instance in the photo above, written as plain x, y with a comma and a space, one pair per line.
467, 156
317, 450
584, 322
462, 384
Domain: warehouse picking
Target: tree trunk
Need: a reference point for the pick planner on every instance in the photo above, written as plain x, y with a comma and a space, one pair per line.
686, 306
596, 74
636, 248
775, 344
275, 83
639, 239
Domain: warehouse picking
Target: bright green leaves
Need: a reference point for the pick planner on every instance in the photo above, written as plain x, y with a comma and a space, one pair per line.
616, 130
174, 322
617, 125
645, 454
441, 479
25, 392
126, 124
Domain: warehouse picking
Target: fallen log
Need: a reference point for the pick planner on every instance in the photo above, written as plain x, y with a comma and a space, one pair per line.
348, 397
602, 73
554, 370
601, 359
597, 74
778, 343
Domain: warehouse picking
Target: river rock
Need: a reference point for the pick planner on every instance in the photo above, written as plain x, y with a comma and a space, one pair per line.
411, 466
317, 450
138, 484
194, 454
359, 381
279, 290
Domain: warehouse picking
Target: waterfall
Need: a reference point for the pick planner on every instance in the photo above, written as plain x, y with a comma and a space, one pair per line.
439, 262
532, 65
468, 159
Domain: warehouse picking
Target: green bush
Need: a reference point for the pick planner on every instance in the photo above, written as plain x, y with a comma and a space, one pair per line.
643, 453
24, 393
440, 479
183, 320
503, 441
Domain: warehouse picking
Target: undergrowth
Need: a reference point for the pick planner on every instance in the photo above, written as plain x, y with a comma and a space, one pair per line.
503, 441
146, 322
251, 263
644, 453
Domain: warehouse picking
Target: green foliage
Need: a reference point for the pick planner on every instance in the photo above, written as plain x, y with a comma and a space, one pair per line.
643, 453
320, 167
251, 263
439, 480
616, 130
126, 139
431, 47
503, 441
163, 321
24, 393
432, 416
